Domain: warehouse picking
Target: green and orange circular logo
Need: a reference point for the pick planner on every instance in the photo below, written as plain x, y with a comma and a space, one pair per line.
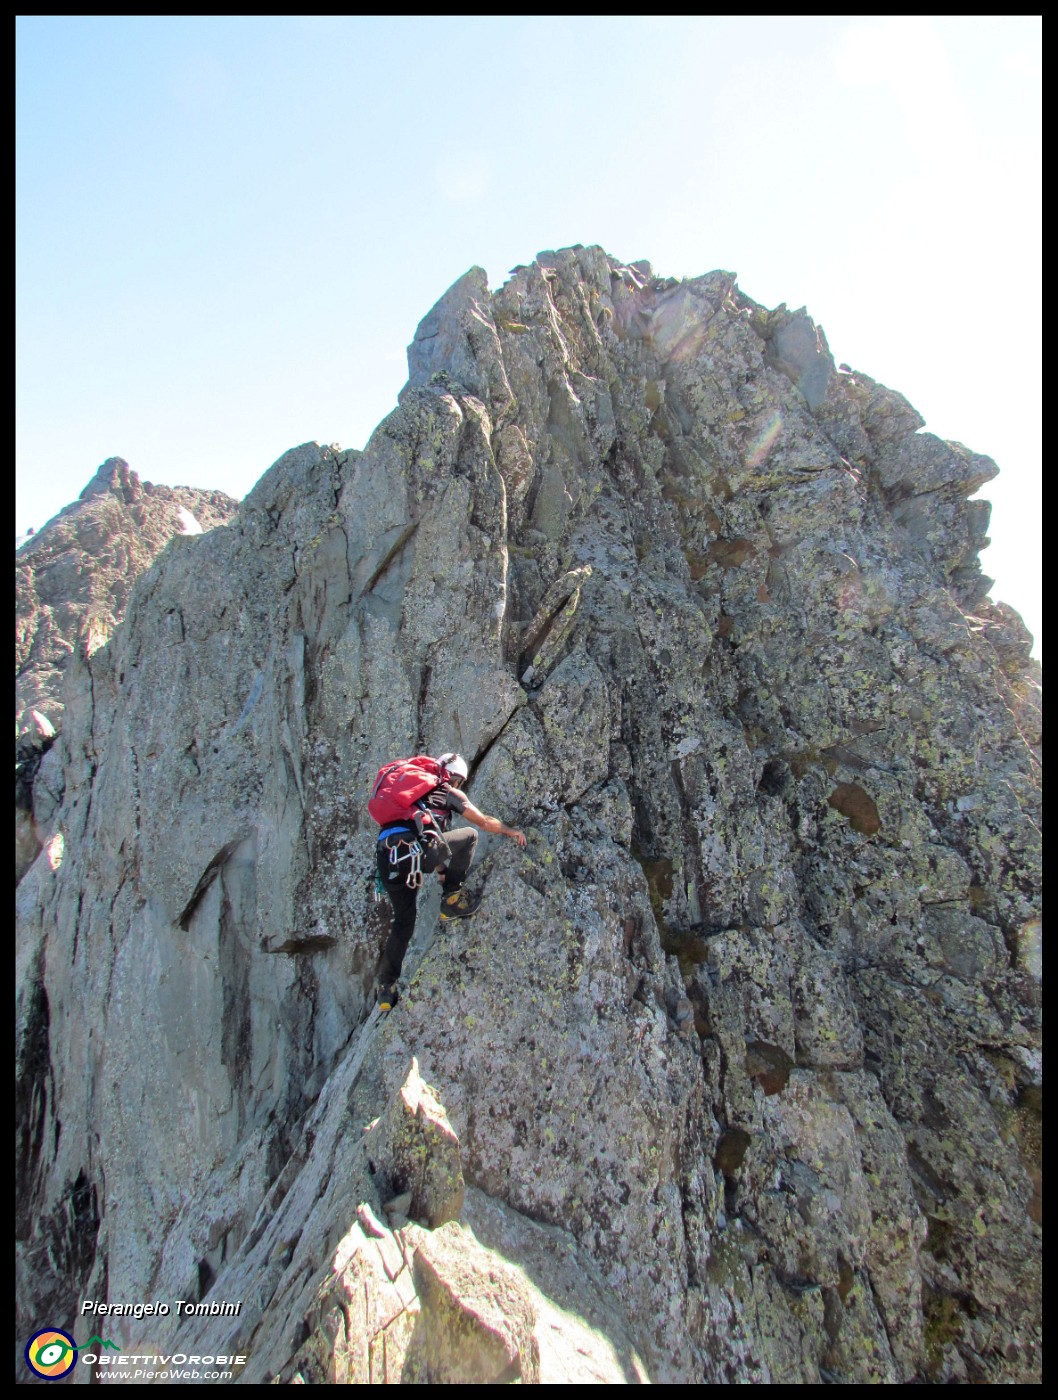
51, 1354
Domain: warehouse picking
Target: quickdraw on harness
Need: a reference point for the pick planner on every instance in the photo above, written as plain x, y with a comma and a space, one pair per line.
412, 852
414, 877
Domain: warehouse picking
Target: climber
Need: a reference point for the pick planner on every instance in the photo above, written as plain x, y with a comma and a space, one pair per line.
421, 843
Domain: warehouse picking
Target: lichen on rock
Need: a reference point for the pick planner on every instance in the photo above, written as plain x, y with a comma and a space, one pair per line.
737, 1068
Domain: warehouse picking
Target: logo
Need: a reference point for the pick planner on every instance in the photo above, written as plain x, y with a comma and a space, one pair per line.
51, 1354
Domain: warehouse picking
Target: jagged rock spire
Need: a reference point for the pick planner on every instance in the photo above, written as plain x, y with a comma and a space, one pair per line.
751, 1028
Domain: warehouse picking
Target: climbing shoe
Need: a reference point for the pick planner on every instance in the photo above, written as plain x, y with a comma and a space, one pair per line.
387, 996
460, 904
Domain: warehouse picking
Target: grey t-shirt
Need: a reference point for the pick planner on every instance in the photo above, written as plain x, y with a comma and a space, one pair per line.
444, 802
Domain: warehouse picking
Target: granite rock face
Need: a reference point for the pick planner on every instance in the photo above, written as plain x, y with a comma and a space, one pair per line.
738, 1066
73, 577
72, 585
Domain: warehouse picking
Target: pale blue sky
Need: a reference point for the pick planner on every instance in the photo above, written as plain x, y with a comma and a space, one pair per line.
228, 229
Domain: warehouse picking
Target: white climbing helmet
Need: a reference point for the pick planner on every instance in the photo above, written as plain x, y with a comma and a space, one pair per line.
455, 765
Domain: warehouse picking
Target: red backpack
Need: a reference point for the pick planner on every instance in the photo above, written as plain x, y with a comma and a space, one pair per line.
399, 786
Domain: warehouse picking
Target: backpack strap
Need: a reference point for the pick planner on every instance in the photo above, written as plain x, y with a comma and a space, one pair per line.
392, 828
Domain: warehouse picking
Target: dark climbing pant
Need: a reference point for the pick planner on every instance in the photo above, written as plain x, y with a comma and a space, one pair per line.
462, 843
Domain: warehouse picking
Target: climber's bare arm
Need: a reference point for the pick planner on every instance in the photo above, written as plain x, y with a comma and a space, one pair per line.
492, 824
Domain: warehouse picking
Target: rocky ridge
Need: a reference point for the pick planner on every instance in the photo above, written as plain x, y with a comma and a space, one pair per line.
74, 576
743, 1052
72, 584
